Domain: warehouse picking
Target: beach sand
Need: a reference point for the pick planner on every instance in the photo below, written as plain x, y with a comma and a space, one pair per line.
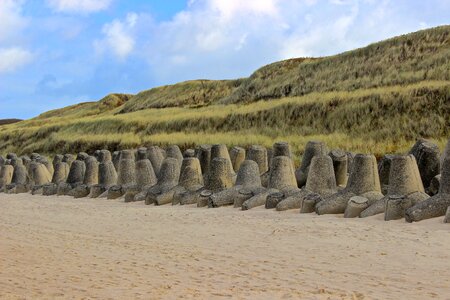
60, 247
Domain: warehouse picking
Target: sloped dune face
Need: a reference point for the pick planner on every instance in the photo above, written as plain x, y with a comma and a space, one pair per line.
297, 99
185, 94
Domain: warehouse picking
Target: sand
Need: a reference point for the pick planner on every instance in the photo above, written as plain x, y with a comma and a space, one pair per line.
59, 247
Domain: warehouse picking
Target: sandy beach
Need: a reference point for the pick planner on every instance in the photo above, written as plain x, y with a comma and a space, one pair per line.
59, 247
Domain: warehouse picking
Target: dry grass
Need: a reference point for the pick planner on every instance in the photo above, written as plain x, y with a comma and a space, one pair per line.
194, 93
377, 99
408, 59
382, 120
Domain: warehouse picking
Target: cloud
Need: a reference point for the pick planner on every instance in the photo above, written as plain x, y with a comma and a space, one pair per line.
79, 6
216, 39
118, 37
13, 58
223, 39
11, 20
229, 9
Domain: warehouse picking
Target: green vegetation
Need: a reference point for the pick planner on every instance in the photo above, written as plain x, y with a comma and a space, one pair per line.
195, 93
377, 99
412, 58
106, 104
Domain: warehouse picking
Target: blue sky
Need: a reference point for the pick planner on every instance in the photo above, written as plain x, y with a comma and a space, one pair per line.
55, 53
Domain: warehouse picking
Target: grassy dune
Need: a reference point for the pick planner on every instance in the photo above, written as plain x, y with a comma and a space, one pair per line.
194, 93
8, 121
377, 99
408, 59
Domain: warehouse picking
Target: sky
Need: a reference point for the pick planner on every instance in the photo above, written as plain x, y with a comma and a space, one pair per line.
55, 53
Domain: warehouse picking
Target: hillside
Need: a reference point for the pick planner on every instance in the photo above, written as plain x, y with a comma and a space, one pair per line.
376, 99
85, 109
8, 121
408, 59
194, 93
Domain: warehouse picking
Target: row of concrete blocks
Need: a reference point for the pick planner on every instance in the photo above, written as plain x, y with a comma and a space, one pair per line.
326, 182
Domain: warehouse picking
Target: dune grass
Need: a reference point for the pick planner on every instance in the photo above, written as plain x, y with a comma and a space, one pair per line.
195, 93
379, 120
407, 59
378, 99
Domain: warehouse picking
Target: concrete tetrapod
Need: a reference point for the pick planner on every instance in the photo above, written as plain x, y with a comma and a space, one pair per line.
447, 216
75, 177
350, 159
221, 151
340, 166
278, 149
384, 170
43, 160
58, 158
10, 156
259, 154
404, 182
61, 173
107, 175
428, 160
355, 206
26, 161
167, 180
69, 159
363, 181
91, 174
6, 174
281, 179
321, 180
220, 177
156, 156
19, 180
309, 203
248, 181
204, 156
39, 176
189, 153
437, 205
90, 179
281, 149
192, 183
33, 156
237, 156
59, 178
145, 177
174, 151
191, 180
116, 160
312, 149
435, 183
126, 175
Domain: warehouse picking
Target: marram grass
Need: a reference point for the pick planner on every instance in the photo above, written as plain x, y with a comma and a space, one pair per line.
381, 120
378, 99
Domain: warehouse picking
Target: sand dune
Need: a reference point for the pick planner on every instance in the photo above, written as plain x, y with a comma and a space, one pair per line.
58, 247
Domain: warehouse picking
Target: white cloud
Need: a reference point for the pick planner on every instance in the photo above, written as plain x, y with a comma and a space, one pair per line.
11, 20
13, 58
216, 38
230, 8
118, 37
79, 6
